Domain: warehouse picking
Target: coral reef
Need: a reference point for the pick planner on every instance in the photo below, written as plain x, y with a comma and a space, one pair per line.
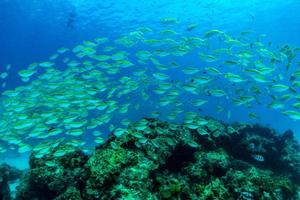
7, 174
170, 161
54, 177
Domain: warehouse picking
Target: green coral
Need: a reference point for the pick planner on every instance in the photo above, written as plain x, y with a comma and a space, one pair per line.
170, 161
209, 163
51, 176
134, 182
214, 190
105, 166
270, 183
70, 194
171, 186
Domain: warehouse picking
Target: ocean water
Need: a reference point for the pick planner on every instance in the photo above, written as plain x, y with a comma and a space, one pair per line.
32, 30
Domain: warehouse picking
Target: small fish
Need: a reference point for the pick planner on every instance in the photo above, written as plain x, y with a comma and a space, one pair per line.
191, 27
207, 58
213, 70
260, 78
234, 78
190, 70
201, 80
99, 140
230, 62
292, 114
279, 87
62, 50
168, 32
46, 64
199, 102
296, 105
160, 76
216, 92
8, 67
258, 157
252, 115
212, 33
3, 75
276, 105
169, 21
26, 73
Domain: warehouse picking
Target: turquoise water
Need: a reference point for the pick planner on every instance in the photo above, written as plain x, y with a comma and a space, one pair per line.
32, 31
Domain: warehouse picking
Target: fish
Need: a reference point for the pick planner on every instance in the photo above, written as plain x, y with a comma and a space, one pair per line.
3, 75
276, 105
213, 70
190, 70
212, 33
160, 76
292, 114
260, 78
296, 105
258, 157
104, 79
99, 140
189, 87
199, 102
252, 115
169, 21
167, 32
279, 87
26, 73
216, 92
201, 80
191, 27
119, 132
230, 62
207, 58
234, 78
8, 67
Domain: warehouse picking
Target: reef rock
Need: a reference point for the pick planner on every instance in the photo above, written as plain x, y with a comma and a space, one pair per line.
53, 176
7, 174
171, 161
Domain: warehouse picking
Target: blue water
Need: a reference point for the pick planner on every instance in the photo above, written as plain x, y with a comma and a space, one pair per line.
32, 30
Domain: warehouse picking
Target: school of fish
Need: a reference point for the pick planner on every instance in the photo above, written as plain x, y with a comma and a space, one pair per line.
103, 82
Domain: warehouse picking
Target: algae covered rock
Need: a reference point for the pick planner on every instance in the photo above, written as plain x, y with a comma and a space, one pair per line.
52, 175
158, 160
70, 194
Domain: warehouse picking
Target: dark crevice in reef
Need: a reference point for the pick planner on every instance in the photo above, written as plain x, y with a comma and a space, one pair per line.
169, 161
181, 156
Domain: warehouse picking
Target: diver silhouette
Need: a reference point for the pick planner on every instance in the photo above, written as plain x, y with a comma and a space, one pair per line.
71, 19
